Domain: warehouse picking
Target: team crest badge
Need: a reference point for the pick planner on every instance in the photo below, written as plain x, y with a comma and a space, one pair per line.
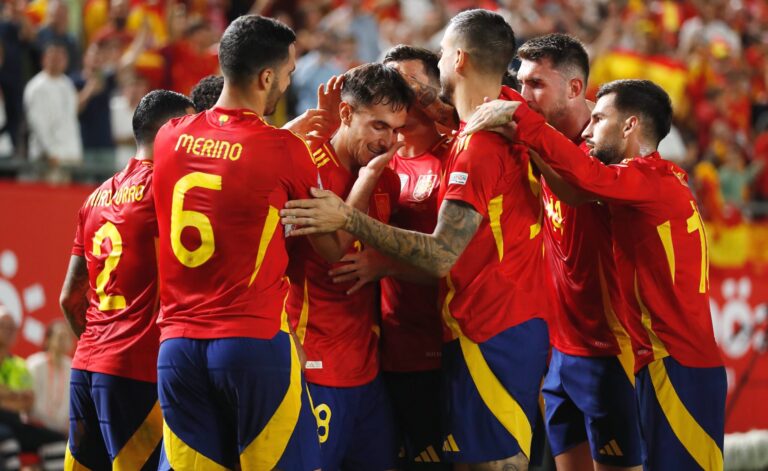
424, 186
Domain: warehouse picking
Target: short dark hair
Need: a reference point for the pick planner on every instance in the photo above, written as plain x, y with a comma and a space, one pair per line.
646, 100
207, 91
487, 37
563, 50
376, 84
252, 43
155, 108
57, 43
403, 52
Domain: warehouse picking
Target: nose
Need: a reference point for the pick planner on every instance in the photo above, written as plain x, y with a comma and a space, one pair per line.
526, 93
587, 133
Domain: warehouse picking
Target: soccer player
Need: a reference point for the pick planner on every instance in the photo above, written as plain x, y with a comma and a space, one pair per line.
588, 391
487, 247
206, 93
662, 263
411, 334
339, 332
110, 300
229, 375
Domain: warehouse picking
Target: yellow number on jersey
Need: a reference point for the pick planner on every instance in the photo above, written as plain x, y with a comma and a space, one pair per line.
181, 218
108, 231
695, 224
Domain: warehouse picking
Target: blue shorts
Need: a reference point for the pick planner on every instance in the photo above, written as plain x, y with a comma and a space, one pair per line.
682, 415
355, 427
415, 399
592, 399
235, 400
114, 422
491, 393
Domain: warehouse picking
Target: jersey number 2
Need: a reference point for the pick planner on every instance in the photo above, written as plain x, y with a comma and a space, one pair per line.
108, 302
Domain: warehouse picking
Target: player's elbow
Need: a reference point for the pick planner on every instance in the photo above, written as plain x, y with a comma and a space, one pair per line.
70, 305
442, 268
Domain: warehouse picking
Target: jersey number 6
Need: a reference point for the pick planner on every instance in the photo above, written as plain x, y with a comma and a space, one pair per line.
181, 218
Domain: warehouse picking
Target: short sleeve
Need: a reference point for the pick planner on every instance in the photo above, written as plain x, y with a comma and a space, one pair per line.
78, 247
475, 173
304, 173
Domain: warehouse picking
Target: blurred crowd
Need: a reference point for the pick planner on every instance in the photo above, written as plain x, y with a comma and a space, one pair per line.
72, 71
34, 397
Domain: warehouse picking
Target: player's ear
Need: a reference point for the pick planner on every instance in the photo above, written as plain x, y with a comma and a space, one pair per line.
266, 77
461, 60
575, 87
345, 113
631, 124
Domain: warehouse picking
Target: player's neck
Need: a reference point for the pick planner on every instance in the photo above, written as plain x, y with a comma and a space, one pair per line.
144, 153
636, 148
574, 121
469, 94
419, 141
341, 146
234, 98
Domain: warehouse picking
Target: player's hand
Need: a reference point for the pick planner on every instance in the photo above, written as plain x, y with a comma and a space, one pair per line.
361, 267
490, 116
329, 97
313, 123
323, 214
377, 164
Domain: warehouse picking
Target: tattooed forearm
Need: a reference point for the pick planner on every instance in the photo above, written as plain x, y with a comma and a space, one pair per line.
74, 294
434, 253
428, 98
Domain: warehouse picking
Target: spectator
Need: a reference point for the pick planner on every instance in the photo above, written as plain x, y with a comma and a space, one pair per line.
314, 68
736, 177
15, 35
350, 19
96, 85
121, 108
192, 57
6, 145
50, 101
50, 378
116, 27
57, 29
16, 398
709, 29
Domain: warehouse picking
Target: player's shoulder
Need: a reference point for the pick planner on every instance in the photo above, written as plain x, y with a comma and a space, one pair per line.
483, 141
182, 122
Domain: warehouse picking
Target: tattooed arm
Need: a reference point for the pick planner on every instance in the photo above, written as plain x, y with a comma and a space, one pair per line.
74, 294
428, 99
435, 253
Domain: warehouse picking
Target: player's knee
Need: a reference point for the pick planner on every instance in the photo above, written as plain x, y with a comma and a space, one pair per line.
519, 462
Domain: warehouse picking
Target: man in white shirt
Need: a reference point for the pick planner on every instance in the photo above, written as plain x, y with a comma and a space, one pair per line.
50, 103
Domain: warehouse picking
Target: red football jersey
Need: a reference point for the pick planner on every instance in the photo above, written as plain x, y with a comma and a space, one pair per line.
659, 244
498, 281
116, 234
411, 332
221, 178
339, 331
588, 311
